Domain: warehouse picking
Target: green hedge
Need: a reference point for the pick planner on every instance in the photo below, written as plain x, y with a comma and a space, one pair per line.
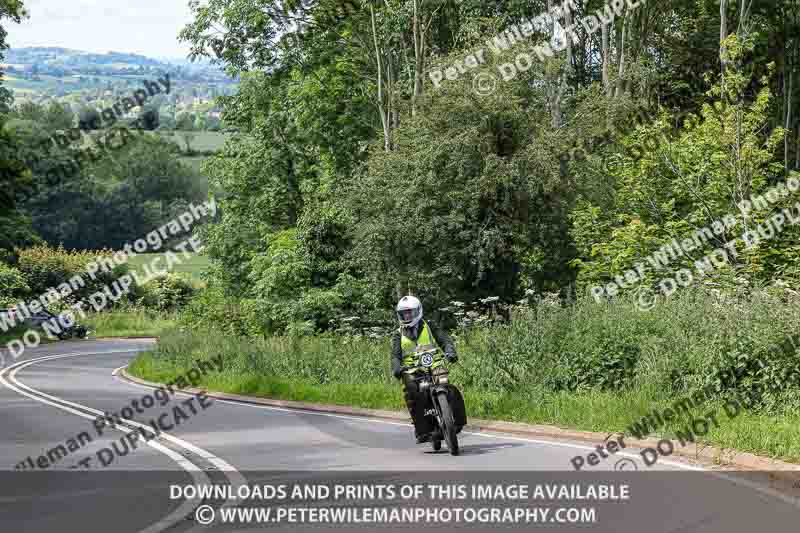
45, 268
13, 286
167, 292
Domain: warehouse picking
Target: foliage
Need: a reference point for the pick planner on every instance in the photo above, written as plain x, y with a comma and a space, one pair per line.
55, 269
130, 321
213, 310
15, 185
13, 286
168, 292
120, 197
671, 183
550, 352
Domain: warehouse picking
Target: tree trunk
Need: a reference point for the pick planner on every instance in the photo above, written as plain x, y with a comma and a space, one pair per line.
788, 95
419, 57
570, 54
606, 81
744, 17
621, 70
723, 34
383, 107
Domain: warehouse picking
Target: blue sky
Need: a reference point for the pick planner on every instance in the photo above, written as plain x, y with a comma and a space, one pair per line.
148, 27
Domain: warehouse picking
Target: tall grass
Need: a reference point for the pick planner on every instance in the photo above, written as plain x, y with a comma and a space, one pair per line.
589, 366
130, 322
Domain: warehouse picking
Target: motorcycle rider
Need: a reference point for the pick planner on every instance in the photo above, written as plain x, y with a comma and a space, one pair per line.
412, 335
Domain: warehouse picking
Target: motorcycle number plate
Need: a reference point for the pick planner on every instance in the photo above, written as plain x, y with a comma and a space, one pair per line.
426, 360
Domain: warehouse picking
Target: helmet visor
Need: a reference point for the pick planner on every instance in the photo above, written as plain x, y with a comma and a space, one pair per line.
407, 316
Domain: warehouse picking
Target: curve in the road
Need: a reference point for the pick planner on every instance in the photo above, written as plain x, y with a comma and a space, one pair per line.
198, 474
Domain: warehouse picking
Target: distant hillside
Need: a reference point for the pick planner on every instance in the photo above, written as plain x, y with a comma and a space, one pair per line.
75, 58
56, 62
41, 73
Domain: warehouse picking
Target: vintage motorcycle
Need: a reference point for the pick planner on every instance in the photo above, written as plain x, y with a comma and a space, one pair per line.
440, 405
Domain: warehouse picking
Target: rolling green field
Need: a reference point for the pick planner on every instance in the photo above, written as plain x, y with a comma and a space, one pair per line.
190, 269
203, 141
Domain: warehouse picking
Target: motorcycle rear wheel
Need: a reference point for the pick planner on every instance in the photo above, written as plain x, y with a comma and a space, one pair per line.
449, 423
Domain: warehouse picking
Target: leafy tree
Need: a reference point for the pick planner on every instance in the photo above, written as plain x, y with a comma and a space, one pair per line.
688, 179
58, 116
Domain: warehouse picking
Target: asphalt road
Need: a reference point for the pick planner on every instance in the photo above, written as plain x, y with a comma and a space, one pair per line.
52, 395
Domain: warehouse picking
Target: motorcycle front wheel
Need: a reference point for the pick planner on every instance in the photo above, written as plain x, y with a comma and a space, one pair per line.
448, 421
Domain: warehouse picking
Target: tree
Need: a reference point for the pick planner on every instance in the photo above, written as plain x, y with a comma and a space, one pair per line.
690, 179
29, 111
185, 121
185, 125
58, 117
13, 10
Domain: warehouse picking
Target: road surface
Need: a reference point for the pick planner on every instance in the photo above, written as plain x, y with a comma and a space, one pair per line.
52, 396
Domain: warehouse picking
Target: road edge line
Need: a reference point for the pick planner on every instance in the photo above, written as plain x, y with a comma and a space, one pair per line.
731, 459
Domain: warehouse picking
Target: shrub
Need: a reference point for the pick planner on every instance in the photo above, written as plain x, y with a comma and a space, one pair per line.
47, 269
211, 309
13, 286
166, 293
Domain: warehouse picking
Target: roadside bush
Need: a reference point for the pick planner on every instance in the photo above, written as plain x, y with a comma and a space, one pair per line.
211, 309
166, 293
46, 268
13, 286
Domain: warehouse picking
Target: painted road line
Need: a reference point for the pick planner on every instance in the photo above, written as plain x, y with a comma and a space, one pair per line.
197, 473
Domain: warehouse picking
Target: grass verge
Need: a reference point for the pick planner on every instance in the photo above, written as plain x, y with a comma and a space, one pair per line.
130, 323
589, 367
190, 269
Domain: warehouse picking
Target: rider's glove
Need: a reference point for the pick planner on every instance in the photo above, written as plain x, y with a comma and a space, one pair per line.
451, 357
397, 372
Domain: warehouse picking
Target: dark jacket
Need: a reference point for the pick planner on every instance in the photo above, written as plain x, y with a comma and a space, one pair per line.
441, 337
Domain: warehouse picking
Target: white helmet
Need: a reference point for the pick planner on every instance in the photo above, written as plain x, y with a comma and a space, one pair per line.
409, 311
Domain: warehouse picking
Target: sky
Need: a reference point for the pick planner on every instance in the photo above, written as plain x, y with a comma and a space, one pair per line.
147, 27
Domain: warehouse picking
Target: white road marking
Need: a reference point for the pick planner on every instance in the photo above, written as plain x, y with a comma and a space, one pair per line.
197, 473
766, 491
367, 419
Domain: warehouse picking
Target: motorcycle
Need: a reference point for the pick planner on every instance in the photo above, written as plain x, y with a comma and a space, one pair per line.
440, 406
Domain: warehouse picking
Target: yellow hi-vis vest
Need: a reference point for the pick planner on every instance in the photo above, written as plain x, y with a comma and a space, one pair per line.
410, 347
